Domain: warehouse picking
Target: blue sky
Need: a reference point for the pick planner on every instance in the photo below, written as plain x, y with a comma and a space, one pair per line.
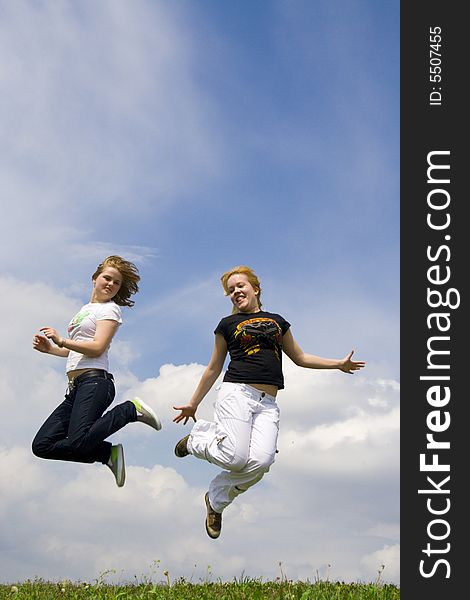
191, 137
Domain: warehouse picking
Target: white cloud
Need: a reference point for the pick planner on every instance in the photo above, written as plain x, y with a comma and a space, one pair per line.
358, 446
173, 386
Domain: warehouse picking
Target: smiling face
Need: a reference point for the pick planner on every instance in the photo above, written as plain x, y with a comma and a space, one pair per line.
106, 285
242, 294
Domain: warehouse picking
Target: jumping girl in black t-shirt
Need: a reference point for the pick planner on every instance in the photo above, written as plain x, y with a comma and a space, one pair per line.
243, 436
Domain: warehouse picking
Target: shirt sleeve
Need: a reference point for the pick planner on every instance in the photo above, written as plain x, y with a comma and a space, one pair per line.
220, 327
111, 312
283, 324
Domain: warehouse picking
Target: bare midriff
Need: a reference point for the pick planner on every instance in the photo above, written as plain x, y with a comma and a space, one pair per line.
265, 387
72, 374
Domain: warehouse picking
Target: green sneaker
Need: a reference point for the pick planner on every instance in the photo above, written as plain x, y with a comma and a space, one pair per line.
116, 464
145, 414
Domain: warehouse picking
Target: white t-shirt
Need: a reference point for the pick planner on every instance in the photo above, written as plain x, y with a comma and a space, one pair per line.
83, 327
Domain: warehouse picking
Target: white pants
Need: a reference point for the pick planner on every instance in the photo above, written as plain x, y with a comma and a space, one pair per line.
242, 440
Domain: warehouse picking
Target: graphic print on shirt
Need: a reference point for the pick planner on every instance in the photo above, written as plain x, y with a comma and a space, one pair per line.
78, 318
258, 333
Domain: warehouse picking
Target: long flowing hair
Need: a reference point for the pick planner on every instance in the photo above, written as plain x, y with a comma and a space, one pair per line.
130, 278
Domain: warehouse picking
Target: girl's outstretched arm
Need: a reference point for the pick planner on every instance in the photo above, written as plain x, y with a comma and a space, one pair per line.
310, 361
208, 378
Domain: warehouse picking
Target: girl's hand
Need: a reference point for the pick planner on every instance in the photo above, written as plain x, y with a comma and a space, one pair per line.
349, 366
187, 412
51, 334
41, 344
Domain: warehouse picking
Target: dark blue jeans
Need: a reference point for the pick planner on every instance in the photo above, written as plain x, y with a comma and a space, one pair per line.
77, 428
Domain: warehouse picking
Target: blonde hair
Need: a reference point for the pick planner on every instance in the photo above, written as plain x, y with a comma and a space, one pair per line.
251, 276
130, 278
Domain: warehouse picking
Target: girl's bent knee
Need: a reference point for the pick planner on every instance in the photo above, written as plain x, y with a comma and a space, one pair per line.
262, 465
39, 448
238, 463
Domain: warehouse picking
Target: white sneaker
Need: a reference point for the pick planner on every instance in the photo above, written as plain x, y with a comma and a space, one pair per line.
145, 414
116, 464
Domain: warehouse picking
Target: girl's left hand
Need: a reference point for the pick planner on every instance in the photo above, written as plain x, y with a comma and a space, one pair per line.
187, 412
41, 344
51, 334
349, 366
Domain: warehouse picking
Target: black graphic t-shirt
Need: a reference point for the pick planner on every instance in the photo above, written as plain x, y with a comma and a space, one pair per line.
254, 342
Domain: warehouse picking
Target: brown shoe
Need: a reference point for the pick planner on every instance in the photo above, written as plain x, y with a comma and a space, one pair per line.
181, 448
213, 520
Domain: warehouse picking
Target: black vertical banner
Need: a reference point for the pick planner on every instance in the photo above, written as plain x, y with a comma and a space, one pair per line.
435, 246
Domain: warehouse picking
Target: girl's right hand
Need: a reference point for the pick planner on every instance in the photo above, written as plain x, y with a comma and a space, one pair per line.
187, 412
41, 344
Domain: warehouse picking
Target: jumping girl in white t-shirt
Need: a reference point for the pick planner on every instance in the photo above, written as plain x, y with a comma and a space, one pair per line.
77, 429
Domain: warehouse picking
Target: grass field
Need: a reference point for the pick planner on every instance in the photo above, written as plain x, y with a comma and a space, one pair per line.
245, 589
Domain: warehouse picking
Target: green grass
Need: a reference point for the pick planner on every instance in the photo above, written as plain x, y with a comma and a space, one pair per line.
244, 589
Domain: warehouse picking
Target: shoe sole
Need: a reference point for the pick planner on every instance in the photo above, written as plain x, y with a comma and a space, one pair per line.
150, 414
209, 509
121, 473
